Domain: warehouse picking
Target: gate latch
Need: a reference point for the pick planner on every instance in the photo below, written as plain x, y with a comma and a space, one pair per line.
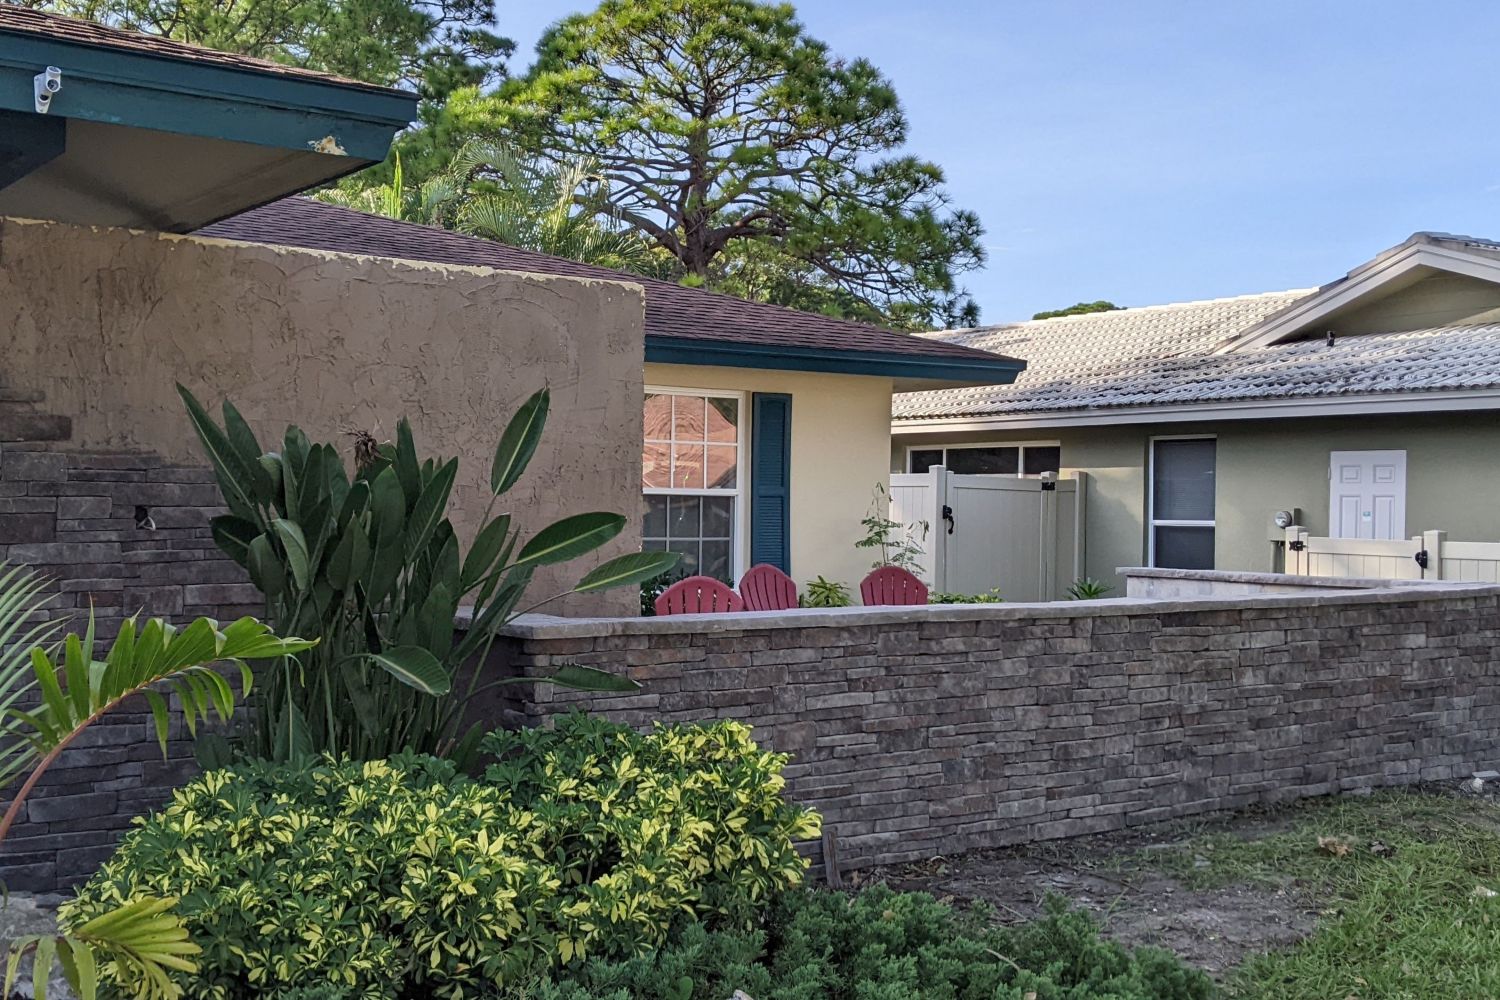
948, 516
1421, 558
1296, 545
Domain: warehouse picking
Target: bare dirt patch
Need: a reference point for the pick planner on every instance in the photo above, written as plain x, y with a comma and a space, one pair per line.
1115, 877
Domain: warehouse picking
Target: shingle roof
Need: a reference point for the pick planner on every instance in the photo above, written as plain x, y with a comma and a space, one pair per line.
672, 310
1075, 362
25, 21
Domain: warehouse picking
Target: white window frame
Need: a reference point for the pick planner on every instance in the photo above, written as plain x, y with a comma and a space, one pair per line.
739, 547
1020, 458
1151, 522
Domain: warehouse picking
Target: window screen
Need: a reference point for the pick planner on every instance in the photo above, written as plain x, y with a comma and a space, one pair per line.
1182, 503
984, 461
1183, 487
1041, 458
925, 459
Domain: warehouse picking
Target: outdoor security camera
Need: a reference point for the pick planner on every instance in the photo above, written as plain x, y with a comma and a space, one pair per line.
48, 82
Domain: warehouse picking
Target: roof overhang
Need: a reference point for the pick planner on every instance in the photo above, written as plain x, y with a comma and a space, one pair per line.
910, 372
1312, 407
1402, 266
146, 140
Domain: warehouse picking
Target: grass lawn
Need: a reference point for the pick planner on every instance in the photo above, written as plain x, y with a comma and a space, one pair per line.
1405, 884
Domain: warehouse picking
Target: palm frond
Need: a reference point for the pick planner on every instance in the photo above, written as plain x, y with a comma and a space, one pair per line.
147, 660
23, 624
142, 941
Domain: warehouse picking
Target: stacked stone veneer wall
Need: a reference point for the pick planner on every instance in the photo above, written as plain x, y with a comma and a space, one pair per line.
73, 518
919, 732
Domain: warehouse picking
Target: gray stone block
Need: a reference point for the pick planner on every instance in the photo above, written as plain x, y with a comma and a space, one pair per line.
32, 466
83, 508
22, 528
65, 553
66, 808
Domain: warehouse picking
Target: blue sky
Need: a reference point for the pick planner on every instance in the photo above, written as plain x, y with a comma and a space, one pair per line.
1163, 150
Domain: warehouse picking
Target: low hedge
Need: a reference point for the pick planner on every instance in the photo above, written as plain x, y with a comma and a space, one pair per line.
883, 945
400, 878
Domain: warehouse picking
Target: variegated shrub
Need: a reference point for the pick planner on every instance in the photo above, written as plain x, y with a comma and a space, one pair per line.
400, 878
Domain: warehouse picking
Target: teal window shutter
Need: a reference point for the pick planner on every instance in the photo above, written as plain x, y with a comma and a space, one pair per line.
771, 480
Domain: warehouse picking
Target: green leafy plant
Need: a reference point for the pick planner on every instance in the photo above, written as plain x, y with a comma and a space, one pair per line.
885, 945
1088, 589
991, 596
403, 878
821, 593
654, 588
138, 943
899, 544
372, 564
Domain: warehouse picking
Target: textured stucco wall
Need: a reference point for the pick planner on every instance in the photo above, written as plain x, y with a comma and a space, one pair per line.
840, 446
1269, 465
105, 321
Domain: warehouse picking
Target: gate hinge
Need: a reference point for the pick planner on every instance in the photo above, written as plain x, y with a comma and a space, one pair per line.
1296, 545
1421, 558
1047, 484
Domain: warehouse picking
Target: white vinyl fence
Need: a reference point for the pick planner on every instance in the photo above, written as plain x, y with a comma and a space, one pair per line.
1023, 537
1428, 556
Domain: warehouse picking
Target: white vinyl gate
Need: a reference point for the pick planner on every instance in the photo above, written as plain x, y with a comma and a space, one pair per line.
1023, 537
1428, 556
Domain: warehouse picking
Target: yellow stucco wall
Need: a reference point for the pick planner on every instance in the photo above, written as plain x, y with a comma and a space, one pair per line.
1453, 477
840, 450
106, 321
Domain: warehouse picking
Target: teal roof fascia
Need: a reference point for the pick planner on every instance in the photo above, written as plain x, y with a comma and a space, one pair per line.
160, 92
891, 364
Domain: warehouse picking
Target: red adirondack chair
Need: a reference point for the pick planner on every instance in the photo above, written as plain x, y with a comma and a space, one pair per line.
766, 588
891, 585
698, 595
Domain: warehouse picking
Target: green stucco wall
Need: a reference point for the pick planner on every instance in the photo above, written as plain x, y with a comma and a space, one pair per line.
1453, 477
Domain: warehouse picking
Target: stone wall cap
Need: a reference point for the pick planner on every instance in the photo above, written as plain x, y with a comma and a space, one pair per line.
536, 626
1284, 579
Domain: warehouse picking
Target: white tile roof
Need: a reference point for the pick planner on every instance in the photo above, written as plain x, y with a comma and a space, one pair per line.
1105, 359
1454, 357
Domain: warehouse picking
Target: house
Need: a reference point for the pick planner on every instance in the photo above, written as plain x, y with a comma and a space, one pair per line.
1364, 408
765, 430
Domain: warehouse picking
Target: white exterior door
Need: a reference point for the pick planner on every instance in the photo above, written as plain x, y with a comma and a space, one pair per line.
1367, 494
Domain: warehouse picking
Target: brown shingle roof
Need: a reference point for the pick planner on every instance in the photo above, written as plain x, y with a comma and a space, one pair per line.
671, 310
25, 21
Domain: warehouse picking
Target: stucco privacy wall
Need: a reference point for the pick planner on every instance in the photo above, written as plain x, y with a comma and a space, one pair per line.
840, 447
106, 321
976, 726
1269, 465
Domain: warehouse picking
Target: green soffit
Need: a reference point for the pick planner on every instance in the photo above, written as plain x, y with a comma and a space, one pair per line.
236, 104
891, 364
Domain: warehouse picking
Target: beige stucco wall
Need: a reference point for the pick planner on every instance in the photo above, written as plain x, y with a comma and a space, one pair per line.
106, 321
840, 450
1436, 299
1453, 474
